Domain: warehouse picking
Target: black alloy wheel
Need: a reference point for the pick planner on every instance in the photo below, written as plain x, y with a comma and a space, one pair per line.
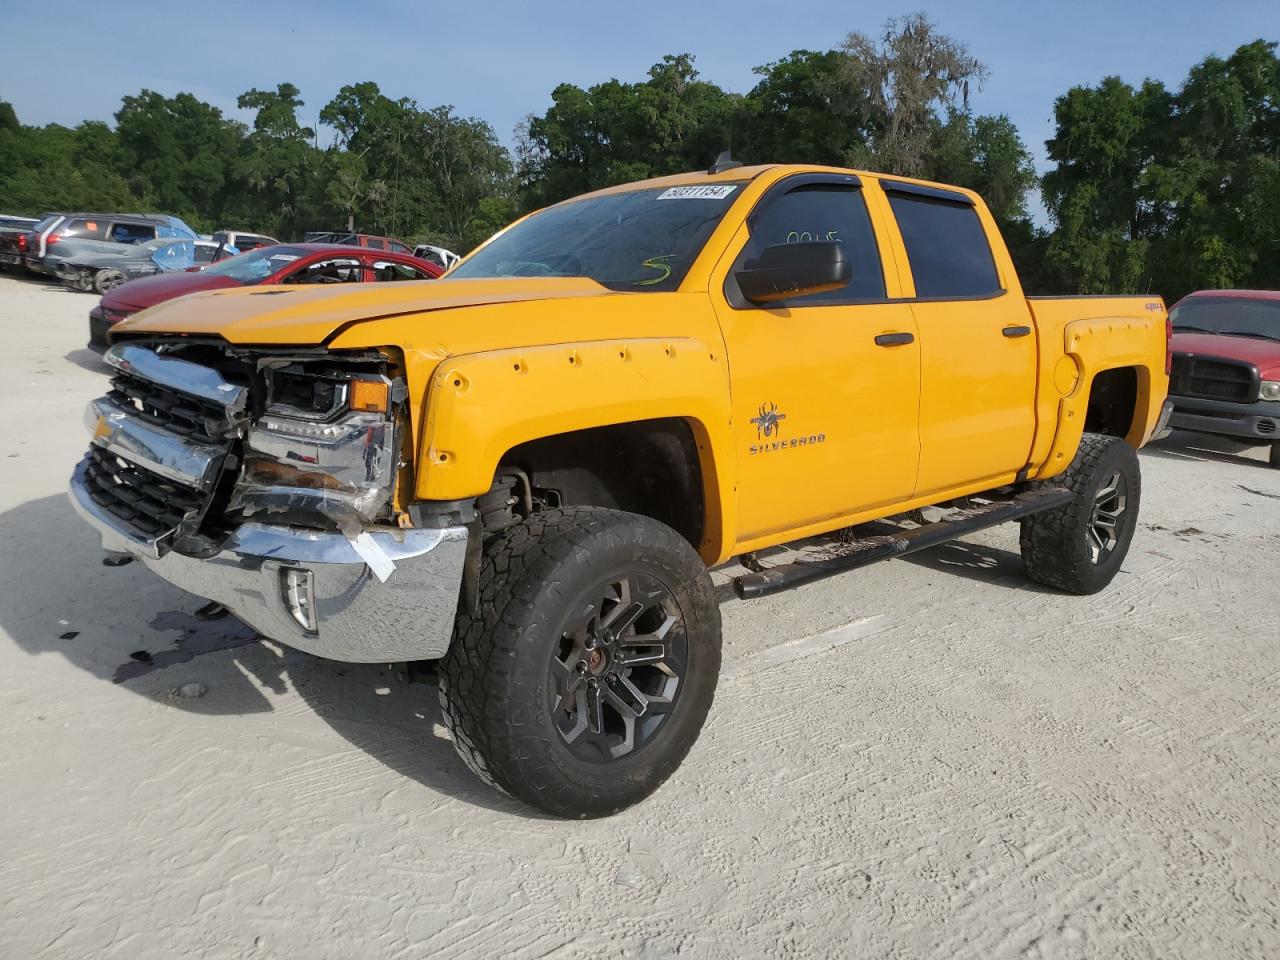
617, 670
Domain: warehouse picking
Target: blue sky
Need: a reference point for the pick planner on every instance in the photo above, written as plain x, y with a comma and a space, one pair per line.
74, 60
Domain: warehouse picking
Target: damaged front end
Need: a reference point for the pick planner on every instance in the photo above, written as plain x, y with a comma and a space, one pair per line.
268, 481
326, 449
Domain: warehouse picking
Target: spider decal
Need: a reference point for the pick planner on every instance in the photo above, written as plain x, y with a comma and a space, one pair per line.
767, 422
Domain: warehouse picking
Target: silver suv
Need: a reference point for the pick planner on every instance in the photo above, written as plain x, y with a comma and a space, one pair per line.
112, 228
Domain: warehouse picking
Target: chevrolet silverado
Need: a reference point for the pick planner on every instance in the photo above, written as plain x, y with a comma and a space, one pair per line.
525, 469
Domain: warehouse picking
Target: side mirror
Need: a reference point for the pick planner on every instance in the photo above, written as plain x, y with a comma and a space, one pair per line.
788, 270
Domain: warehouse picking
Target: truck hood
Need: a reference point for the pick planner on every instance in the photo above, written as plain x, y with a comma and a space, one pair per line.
311, 315
1263, 354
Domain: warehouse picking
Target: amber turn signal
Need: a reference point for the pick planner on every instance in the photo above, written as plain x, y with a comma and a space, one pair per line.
369, 395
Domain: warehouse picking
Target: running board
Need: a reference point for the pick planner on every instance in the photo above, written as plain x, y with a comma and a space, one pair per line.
859, 553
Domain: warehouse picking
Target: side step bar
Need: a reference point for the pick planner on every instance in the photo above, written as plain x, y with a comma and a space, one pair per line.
859, 553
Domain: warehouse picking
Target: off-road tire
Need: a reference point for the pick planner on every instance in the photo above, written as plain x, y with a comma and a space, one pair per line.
105, 280
494, 683
1055, 543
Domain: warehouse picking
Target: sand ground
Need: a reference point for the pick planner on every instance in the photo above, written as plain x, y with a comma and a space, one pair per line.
932, 757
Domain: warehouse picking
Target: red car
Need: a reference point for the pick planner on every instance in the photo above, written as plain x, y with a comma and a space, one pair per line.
284, 263
1226, 365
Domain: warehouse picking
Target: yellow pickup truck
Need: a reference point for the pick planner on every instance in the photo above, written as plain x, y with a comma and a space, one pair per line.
525, 469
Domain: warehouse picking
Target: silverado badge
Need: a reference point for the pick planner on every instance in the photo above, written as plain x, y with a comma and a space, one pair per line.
768, 427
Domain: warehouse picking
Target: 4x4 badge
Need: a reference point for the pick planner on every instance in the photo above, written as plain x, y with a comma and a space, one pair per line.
767, 422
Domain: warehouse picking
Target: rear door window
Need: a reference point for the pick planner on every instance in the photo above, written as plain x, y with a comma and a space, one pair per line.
821, 212
390, 270
397, 247
85, 229
946, 246
132, 232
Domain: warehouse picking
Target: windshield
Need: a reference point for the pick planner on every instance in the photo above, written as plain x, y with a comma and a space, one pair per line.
256, 264
171, 254
642, 240
1239, 316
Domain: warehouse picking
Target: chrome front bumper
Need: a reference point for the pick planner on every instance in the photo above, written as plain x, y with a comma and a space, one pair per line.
265, 573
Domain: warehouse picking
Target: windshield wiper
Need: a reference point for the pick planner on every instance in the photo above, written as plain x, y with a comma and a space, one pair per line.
1255, 336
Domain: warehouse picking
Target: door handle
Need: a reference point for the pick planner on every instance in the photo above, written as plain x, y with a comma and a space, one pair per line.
894, 339
1019, 331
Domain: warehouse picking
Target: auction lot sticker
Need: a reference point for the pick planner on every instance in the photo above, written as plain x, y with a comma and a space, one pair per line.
707, 192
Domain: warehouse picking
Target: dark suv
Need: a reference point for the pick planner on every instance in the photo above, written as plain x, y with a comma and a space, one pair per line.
109, 227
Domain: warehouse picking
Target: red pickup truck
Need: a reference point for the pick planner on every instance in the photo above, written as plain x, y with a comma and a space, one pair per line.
1226, 366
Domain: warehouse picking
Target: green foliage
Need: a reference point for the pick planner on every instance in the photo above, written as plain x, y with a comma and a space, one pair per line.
1150, 189
1169, 192
615, 132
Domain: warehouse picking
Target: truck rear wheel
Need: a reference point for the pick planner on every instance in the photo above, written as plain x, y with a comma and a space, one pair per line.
1079, 546
588, 673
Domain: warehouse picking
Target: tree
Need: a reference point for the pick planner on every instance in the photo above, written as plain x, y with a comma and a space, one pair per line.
1169, 192
801, 112
277, 163
902, 81
465, 166
616, 132
177, 154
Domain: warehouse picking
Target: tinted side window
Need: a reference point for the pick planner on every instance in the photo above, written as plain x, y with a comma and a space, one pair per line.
204, 254
821, 212
946, 246
132, 232
84, 229
397, 247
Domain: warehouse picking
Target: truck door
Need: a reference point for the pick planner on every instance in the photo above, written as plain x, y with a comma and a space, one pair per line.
825, 387
977, 343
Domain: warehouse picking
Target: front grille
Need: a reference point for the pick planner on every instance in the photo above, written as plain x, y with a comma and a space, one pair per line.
147, 503
1211, 378
177, 412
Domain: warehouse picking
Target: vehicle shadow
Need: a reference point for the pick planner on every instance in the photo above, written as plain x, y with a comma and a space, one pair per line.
125, 626
977, 561
961, 558
87, 359
1203, 448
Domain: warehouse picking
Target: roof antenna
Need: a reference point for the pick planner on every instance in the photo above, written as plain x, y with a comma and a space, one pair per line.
723, 162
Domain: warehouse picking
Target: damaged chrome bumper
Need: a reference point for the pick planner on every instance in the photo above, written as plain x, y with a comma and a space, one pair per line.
316, 591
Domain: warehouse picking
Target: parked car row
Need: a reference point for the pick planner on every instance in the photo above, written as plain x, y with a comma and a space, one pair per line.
99, 267
294, 263
44, 246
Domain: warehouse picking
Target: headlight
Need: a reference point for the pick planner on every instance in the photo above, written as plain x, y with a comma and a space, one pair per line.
1270, 390
325, 450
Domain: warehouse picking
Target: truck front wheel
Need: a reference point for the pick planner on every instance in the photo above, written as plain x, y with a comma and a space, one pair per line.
586, 676
1079, 546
